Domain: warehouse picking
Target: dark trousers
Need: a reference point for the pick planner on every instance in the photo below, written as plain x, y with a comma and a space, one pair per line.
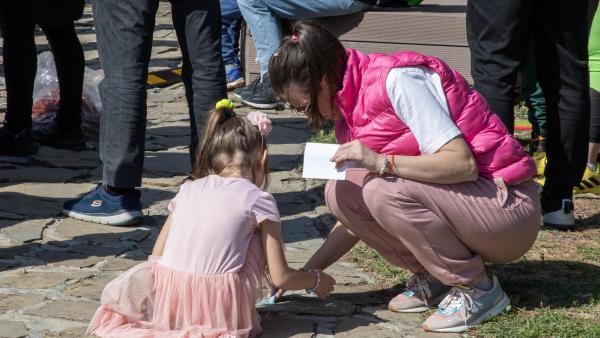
595, 116
497, 34
124, 29
20, 65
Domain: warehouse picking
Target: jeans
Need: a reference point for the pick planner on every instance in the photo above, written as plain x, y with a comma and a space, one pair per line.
262, 17
496, 32
231, 19
20, 64
124, 30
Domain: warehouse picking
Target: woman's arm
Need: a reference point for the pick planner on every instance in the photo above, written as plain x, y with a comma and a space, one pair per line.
159, 246
282, 275
339, 241
452, 163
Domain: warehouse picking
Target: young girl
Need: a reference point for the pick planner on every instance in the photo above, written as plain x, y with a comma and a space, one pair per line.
204, 276
445, 187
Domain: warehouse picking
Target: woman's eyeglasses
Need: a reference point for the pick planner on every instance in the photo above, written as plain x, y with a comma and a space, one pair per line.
300, 110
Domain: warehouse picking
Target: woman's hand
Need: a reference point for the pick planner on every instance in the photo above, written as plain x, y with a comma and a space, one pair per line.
356, 151
325, 286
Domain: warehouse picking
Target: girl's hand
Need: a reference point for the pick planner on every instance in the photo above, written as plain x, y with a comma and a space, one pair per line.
356, 151
325, 286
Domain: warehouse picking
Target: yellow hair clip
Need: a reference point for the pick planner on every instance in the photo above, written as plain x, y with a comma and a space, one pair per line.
225, 104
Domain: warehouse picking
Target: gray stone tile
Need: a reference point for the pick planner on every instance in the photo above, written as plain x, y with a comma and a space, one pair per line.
78, 311
17, 302
23, 279
12, 329
24, 231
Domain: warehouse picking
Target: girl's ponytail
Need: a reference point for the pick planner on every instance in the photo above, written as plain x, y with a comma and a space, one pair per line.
223, 110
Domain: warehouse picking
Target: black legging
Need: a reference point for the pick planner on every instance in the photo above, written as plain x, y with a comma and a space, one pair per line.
496, 34
595, 116
20, 65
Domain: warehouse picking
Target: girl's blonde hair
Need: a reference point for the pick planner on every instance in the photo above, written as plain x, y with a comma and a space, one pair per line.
230, 142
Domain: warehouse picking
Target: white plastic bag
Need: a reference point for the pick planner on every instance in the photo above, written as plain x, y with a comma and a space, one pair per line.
46, 96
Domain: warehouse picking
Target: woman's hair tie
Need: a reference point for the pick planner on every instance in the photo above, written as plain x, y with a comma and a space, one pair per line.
226, 106
294, 38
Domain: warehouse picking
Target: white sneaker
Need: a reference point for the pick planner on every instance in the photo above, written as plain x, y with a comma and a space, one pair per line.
561, 219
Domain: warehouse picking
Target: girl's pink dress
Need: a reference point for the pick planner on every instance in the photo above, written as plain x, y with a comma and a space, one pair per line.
208, 280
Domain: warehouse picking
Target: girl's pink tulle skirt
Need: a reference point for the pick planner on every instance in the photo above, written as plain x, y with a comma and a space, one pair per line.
151, 300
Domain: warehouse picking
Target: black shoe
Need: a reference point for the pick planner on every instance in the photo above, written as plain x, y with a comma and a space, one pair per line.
21, 144
239, 92
538, 145
262, 97
53, 136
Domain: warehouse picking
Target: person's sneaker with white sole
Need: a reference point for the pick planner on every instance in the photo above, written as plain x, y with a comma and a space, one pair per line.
99, 206
421, 294
561, 219
465, 307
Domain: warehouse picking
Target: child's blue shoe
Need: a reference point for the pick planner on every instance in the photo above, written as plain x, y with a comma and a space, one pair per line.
235, 79
99, 206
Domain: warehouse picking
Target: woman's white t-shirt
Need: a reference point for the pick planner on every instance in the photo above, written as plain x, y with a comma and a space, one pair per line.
418, 98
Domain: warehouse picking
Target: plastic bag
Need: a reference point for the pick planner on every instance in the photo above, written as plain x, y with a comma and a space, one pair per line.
46, 96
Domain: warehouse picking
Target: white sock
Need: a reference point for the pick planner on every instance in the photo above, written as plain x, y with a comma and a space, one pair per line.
592, 166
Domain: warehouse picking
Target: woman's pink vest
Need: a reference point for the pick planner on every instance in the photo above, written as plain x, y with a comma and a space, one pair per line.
370, 117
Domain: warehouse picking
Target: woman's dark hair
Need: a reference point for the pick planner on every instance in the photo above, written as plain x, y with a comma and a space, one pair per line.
230, 142
303, 58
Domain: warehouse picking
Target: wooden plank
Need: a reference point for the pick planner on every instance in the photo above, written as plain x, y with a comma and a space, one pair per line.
456, 57
436, 28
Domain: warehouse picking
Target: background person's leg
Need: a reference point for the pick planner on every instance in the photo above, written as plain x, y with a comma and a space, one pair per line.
561, 60
65, 132
124, 30
70, 63
20, 65
496, 32
534, 99
262, 17
198, 27
231, 20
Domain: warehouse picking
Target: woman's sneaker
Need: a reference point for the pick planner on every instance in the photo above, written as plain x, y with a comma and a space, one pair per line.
465, 307
234, 76
421, 294
99, 206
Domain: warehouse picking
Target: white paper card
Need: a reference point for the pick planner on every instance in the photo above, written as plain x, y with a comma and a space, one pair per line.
317, 163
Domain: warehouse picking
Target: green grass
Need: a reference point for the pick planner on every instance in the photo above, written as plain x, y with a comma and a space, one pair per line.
592, 254
370, 260
544, 322
326, 135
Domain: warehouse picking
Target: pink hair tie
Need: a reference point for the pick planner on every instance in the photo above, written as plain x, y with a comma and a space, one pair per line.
294, 38
260, 120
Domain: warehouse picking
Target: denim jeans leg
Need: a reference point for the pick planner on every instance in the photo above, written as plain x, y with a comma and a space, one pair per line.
231, 18
262, 16
124, 32
198, 28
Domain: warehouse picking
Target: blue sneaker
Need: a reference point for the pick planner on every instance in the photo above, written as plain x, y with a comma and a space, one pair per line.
234, 76
99, 206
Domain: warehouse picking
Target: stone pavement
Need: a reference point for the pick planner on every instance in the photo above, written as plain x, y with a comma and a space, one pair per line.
53, 269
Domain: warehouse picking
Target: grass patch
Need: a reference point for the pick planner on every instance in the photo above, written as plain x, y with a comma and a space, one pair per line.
326, 135
371, 261
543, 322
592, 254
